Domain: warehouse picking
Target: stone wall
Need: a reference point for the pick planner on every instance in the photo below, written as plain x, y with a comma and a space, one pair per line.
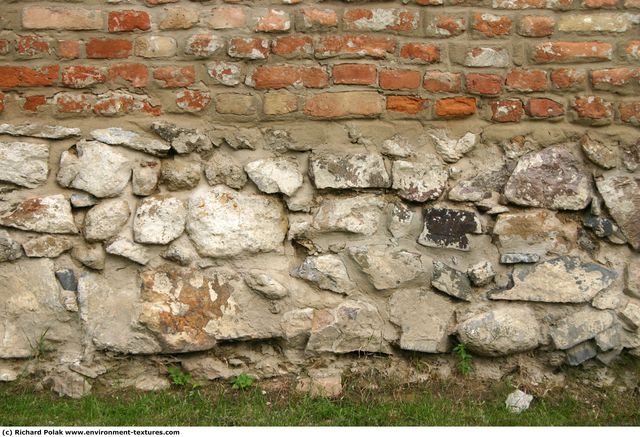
272, 187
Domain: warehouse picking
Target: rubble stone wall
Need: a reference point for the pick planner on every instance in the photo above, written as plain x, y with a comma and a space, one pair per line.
273, 186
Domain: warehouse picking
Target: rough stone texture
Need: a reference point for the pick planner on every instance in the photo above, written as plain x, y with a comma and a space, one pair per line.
621, 194
603, 154
39, 131
481, 186
24, 164
562, 280
358, 215
552, 179
182, 140
106, 219
91, 256
145, 177
180, 174
499, 332
580, 326
451, 281
448, 228
419, 182
275, 175
452, 150
10, 249
159, 220
481, 274
387, 267
518, 401
126, 248
265, 285
116, 136
222, 169
361, 170
222, 222
46, 246
327, 272
51, 214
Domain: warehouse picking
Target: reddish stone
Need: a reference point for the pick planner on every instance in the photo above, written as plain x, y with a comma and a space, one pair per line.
506, 111
32, 46
14, 76
136, 74
175, 77
484, 84
249, 48
355, 45
612, 78
193, 100
399, 79
282, 76
442, 82
491, 25
128, 21
406, 104
33, 103
108, 48
592, 108
293, 46
354, 74
424, 52
81, 76
544, 108
527, 80
569, 79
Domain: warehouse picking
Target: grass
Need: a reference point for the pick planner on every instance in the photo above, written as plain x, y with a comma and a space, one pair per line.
274, 402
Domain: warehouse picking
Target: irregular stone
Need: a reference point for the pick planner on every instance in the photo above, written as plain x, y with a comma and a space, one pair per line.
610, 338
151, 383
630, 314
182, 140
39, 131
180, 174
67, 279
190, 310
207, 367
275, 175
621, 194
499, 332
397, 146
82, 200
244, 138
580, 326
358, 170
452, 150
601, 226
357, 215
95, 168
552, 179
481, 274
181, 251
223, 169
517, 258
68, 384
425, 319
387, 267
535, 232
105, 220
419, 181
322, 383
632, 278
126, 248
327, 272
116, 136
159, 220
518, 401
265, 285
480, 187
32, 312
447, 228
222, 222
302, 200
604, 155
354, 326
400, 218
451, 281
24, 164
561, 280
296, 326
110, 308
580, 353
8, 374
46, 246
89, 371
90, 255
146, 175
10, 249
51, 214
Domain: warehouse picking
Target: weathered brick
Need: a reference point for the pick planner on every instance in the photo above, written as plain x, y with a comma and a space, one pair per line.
203, 45
354, 74
70, 103
397, 79
68, 49
82, 76
506, 111
316, 19
19, 76
421, 52
178, 17
407, 104
622, 80
136, 74
484, 84
442, 82
496, 57
537, 26
174, 76
455, 107
226, 73
227, 18
1, 102
491, 25
61, 18
128, 21
633, 50
445, 26
248, 48
155, 47
118, 103
593, 109
236, 104
354, 46
377, 19
32, 47
34, 103
544, 108
279, 103
193, 100
572, 52
632, 4
108, 48
293, 46
344, 104
272, 20
527, 80
597, 4
532, 4
159, 2
282, 76
5, 46
569, 79
584, 23
630, 112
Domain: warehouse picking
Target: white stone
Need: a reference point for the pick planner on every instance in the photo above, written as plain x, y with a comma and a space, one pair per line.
116, 136
51, 214
419, 181
275, 175
159, 220
126, 248
24, 164
357, 215
105, 220
327, 272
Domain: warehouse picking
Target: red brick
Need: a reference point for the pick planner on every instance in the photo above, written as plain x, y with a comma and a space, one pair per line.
592, 108
344, 104
5, 46
354, 74
273, 20
566, 51
484, 84
33, 103
633, 50
193, 100
491, 25
355, 46
81, 76
203, 45
378, 19
18, 76
226, 73
537, 26
544, 108
282, 76
456, 107
70, 103
422, 52
248, 48
32, 46
442, 82
293, 46
227, 18
318, 19
1, 102
68, 49
527, 80
175, 77
116, 103
445, 26
569, 79
630, 112
597, 4
400, 79
61, 18
136, 74
506, 111
109, 48
614, 78
128, 21
406, 104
